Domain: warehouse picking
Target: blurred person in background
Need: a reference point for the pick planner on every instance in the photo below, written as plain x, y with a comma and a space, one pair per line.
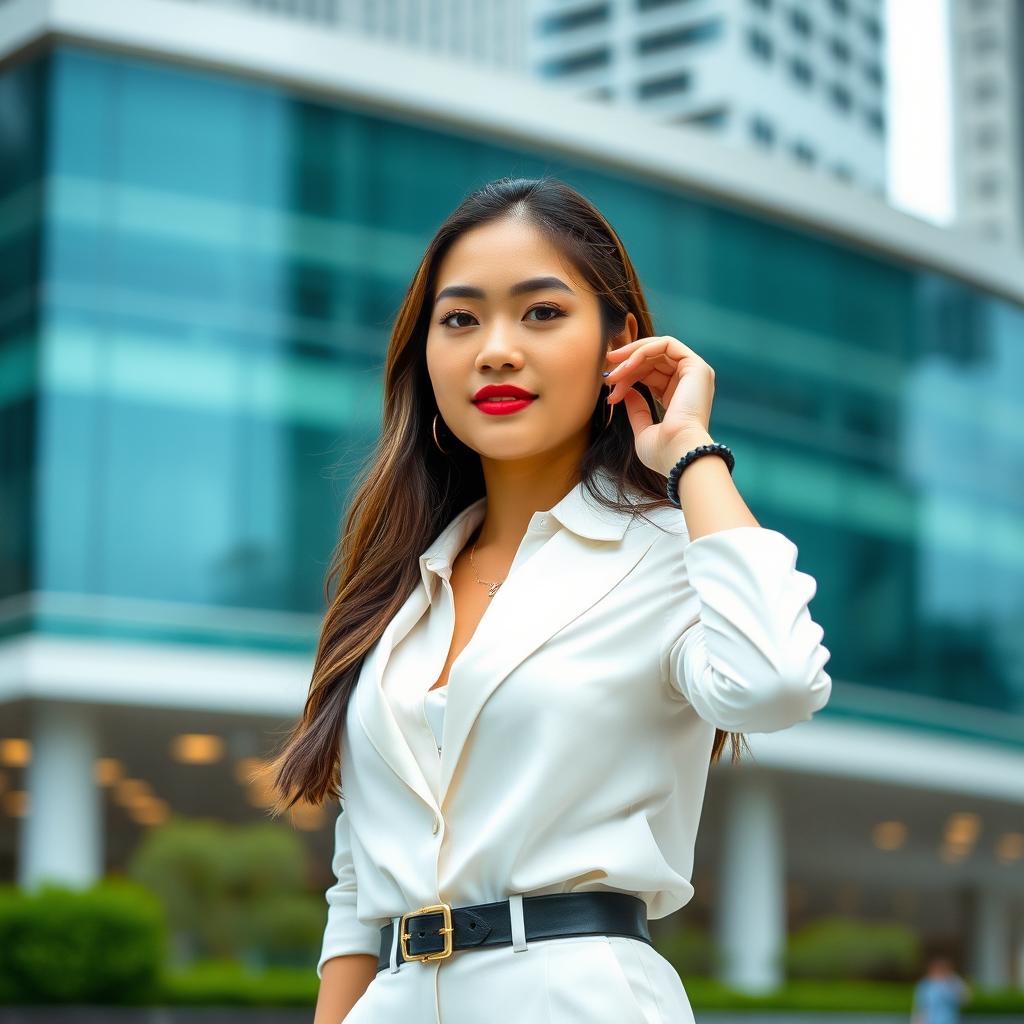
939, 995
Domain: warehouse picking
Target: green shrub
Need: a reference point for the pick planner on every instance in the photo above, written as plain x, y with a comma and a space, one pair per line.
996, 1001
104, 944
860, 996
222, 984
688, 949
839, 947
285, 929
842, 996
226, 983
233, 892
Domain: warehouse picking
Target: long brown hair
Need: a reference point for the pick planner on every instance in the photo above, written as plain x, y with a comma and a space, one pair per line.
410, 491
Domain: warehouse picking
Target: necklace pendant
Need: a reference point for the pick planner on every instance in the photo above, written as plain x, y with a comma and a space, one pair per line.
493, 589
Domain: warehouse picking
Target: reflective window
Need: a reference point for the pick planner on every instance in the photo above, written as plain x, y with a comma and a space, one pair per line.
218, 265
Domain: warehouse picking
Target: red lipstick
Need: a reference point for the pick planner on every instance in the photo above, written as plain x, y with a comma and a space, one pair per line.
502, 399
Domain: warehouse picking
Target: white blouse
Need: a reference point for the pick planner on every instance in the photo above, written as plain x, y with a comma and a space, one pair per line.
433, 708
416, 662
578, 719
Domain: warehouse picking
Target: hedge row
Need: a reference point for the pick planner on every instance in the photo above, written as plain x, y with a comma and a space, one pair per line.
106, 945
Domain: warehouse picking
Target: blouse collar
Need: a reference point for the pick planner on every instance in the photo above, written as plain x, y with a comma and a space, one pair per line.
576, 511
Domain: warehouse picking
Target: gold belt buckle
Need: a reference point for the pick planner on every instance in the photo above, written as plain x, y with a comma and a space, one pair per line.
446, 930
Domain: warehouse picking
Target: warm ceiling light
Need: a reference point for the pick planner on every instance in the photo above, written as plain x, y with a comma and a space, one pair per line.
260, 792
307, 817
15, 752
107, 771
127, 791
144, 799
151, 812
197, 748
889, 835
1010, 847
248, 769
131, 803
963, 828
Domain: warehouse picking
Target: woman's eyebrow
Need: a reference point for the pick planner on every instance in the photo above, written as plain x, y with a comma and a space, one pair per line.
532, 284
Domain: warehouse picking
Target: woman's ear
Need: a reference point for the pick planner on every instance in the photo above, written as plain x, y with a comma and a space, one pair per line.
632, 327
628, 333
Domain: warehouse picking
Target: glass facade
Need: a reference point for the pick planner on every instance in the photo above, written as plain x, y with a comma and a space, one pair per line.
22, 126
197, 280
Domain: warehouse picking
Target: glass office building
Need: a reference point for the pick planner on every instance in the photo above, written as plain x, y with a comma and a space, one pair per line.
198, 271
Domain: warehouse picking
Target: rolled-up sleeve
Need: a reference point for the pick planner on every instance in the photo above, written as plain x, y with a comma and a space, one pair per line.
740, 645
344, 932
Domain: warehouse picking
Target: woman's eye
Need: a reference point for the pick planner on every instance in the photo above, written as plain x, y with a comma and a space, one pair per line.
456, 312
547, 309
553, 310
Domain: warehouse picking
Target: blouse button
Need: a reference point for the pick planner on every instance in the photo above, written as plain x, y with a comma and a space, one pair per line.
437, 824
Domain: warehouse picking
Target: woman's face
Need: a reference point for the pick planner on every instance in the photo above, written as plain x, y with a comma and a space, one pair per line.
545, 340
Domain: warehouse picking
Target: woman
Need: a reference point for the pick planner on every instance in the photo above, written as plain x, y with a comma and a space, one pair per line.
549, 617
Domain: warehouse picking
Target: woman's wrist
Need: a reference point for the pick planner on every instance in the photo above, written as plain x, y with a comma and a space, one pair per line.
681, 444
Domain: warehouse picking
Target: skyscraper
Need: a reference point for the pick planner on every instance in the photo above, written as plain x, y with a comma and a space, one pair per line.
987, 65
801, 79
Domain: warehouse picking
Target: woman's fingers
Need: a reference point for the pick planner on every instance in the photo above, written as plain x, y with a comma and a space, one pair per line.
650, 363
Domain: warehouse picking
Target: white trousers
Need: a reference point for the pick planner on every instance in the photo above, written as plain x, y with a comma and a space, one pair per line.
580, 979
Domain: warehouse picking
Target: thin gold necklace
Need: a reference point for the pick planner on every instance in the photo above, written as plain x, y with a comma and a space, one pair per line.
487, 583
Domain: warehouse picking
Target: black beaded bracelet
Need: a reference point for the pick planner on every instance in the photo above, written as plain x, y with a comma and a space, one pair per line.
722, 450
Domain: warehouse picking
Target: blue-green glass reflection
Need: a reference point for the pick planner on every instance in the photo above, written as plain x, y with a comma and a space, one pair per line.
220, 264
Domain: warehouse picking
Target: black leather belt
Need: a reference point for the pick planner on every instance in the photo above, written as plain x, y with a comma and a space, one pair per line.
435, 932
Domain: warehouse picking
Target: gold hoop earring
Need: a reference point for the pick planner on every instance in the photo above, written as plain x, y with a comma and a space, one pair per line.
434, 432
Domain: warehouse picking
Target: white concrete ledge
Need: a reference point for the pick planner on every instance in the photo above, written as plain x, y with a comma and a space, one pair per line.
893, 755
203, 678
196, 677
